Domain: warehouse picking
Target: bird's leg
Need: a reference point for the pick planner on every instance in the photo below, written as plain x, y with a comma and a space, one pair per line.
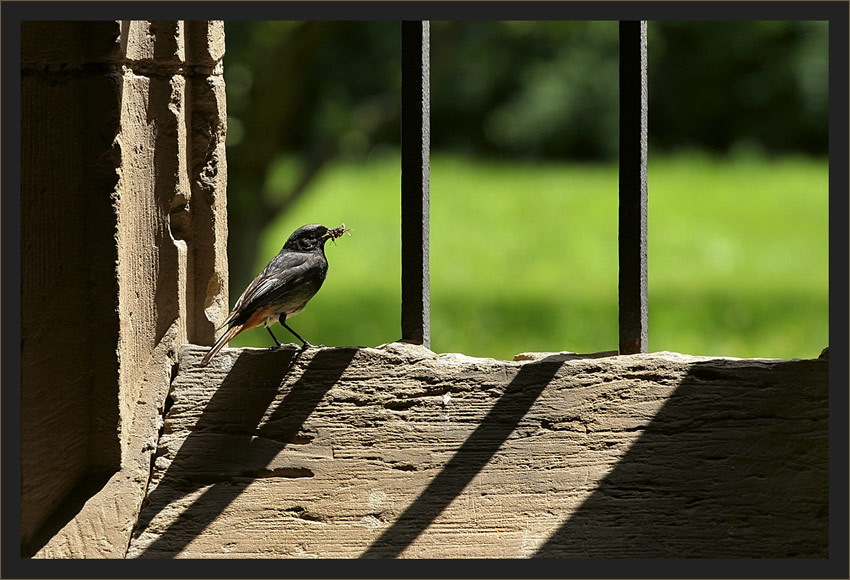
282, 320
274, 338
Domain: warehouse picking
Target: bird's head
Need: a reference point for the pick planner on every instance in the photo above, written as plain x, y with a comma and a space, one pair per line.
312, 237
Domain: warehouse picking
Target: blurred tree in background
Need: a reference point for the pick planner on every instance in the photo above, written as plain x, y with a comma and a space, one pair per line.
305, 95
302, 93
722, 86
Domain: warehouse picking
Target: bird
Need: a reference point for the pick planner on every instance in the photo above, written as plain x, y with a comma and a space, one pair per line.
283, 288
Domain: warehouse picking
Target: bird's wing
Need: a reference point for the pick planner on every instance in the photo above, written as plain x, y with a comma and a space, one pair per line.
278, 277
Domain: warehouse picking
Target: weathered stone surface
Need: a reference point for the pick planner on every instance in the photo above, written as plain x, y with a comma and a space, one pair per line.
124, 233
69, 393
397, 452
102, 515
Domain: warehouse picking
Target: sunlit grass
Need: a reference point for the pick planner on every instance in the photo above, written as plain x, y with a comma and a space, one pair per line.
524, 256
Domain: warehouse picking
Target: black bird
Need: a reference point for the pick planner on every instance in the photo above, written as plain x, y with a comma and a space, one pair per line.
284, 287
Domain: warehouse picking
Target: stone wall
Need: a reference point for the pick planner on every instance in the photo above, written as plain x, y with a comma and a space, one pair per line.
123, 259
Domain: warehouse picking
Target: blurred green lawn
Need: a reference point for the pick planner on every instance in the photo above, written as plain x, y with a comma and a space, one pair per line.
524, 256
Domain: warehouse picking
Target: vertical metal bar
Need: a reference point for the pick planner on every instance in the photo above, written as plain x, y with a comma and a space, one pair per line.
633, 188
415, 178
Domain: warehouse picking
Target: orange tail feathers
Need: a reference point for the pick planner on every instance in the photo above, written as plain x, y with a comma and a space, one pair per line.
233, 331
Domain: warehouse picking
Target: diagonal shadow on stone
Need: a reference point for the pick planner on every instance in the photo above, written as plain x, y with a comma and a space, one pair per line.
734, 465
529, 382
246, 408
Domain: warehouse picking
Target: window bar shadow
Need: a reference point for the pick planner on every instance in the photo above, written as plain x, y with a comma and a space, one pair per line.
633, 301
415, 177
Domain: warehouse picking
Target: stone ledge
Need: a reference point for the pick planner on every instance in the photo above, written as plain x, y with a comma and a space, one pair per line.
398, 452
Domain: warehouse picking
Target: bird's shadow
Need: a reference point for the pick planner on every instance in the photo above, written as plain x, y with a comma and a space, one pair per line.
206, 456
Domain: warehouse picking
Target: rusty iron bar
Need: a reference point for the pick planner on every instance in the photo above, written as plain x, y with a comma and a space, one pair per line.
633, 295
415, 182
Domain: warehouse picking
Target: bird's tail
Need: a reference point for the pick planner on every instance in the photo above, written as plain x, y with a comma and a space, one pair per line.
231, 332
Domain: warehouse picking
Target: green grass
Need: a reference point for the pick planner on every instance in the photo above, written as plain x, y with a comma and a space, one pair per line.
524, 256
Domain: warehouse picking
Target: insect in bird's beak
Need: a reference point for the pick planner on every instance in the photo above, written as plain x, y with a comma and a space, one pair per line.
335, 233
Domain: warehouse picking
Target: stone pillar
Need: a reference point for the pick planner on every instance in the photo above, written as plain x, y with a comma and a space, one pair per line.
124, 259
